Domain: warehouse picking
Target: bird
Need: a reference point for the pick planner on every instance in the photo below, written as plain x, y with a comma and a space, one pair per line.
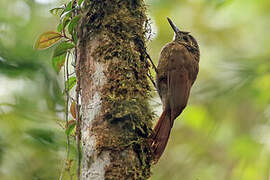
177, 71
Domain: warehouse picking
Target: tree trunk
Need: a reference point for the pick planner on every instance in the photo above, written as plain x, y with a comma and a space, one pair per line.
116, 118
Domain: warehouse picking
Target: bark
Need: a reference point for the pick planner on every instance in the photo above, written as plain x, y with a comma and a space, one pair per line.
116, 118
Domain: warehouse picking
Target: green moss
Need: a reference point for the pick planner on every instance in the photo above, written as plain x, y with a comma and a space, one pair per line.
126, 126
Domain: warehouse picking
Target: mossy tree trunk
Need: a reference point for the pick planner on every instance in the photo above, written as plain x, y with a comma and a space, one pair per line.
116, 117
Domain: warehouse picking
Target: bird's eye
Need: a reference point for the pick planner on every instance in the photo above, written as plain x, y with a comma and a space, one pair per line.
185, 38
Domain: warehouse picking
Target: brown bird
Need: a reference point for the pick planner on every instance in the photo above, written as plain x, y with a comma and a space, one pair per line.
177, 70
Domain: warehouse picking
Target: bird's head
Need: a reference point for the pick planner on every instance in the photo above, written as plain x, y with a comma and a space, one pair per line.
183, 36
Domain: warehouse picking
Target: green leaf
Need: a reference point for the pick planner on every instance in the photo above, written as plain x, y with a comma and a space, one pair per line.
80, 2
70, 127
63, 24
59, 55
75, 38
70, 83
57, 11
69, 6
62, 48
58, 62
60, 27
73, 24
47, 39
68, 10
66, 14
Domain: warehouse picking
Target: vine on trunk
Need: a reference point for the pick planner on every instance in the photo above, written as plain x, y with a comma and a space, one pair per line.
64, 41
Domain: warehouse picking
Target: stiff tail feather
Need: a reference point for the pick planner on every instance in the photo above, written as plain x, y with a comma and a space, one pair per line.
161, 135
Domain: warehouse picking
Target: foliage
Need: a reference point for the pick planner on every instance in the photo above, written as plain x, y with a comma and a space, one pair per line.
64, 42
47, 39
68, 20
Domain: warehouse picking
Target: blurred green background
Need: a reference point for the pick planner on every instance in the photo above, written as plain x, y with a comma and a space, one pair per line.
223, 134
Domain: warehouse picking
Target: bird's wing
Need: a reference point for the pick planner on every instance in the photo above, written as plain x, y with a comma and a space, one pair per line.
179, 83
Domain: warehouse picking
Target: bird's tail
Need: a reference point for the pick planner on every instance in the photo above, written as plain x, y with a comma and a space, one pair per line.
161, 135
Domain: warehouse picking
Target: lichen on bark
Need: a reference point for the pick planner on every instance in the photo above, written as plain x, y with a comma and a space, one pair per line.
116, 117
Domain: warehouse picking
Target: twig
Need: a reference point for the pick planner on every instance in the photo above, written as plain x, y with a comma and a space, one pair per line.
78, 88
66, 78
78, 118
67, 101
72, 73
153, 65
153, 82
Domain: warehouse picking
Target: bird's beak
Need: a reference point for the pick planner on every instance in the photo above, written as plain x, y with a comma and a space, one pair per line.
177, 32
175, 29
